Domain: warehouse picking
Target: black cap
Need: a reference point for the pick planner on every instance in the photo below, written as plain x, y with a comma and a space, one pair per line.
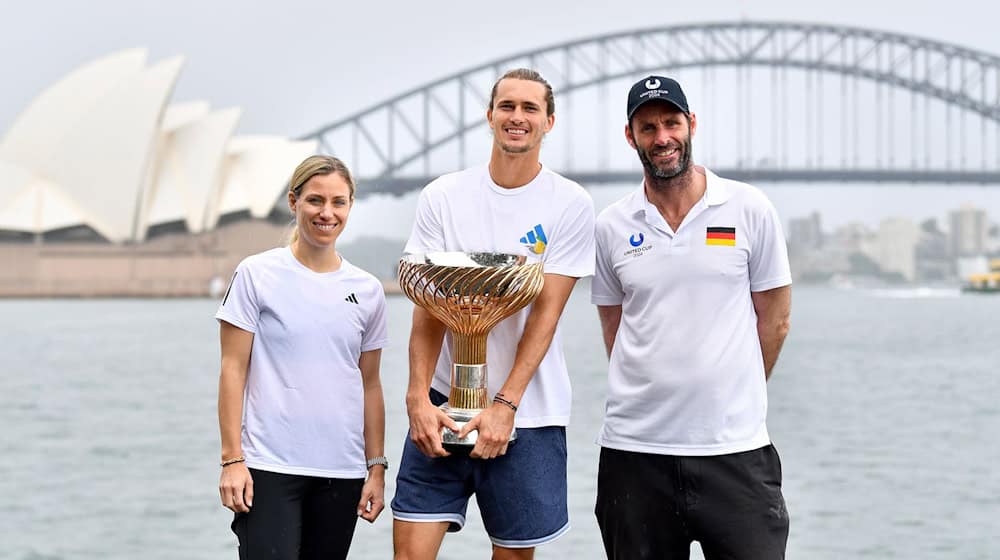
656, 88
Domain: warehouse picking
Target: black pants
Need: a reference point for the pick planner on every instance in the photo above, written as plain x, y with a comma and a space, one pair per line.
295, 517
653, 506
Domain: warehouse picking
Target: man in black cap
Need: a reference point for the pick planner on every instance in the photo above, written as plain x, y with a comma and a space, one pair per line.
693, 292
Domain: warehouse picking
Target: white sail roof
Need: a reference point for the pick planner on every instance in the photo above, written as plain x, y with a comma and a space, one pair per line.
45, 121
257, 170
101, 148
189, 171
180, 114
107, 151
33, 204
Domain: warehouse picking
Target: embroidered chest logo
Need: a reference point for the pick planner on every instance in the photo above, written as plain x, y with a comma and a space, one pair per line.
535, 240
636, 240
352, 298
720, 236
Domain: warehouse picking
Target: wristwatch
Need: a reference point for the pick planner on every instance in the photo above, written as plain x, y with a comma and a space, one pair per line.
383, 460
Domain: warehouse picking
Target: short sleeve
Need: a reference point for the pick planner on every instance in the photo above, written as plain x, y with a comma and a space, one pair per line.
606, 289
571, 251
239, 306
427, 234
769, 254
376, 333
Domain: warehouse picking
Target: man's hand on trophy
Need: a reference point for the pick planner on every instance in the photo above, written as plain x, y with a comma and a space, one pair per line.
426, 421
495, 425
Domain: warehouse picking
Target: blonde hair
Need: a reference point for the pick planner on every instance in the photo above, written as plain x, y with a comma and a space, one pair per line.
313, 166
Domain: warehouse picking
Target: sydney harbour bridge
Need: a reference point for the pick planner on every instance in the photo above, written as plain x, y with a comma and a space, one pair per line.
779, 102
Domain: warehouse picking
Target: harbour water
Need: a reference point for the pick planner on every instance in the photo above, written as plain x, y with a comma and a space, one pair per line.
883, 406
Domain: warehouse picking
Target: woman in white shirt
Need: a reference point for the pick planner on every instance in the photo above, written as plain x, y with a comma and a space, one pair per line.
301, 412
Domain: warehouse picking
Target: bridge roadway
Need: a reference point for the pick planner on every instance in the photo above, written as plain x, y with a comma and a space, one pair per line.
399, 186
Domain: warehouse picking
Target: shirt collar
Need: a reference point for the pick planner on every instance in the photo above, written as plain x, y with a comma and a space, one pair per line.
716, 192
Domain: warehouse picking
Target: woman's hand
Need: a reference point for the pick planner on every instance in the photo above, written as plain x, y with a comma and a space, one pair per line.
372, 495
236, 487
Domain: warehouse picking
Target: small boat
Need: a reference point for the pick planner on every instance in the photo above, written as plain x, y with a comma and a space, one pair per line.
988, 282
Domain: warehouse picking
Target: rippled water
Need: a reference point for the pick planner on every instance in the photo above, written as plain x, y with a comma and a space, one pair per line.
883, 406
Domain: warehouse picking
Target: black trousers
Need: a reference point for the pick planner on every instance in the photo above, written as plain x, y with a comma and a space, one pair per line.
298, 517
653, 506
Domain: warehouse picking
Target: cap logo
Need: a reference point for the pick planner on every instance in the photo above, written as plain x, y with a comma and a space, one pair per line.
652, 83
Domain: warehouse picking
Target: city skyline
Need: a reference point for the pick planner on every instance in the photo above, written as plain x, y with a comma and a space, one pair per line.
942, 225
917, 203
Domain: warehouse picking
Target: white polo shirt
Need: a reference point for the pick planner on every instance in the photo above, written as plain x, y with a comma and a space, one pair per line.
551, 218
686, 375
304, 407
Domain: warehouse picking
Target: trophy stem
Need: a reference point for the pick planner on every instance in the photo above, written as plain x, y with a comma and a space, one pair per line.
469, 390
469, 348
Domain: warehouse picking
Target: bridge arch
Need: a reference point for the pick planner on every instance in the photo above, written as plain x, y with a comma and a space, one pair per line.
396, 138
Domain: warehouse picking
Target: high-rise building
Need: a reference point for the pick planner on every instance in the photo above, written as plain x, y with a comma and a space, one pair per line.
896, 249
933, 253
969, 227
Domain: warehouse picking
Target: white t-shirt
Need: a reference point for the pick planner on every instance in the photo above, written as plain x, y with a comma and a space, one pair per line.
687, 375
552, 218
303, 411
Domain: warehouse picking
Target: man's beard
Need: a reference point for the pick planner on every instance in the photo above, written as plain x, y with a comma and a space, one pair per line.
683, 162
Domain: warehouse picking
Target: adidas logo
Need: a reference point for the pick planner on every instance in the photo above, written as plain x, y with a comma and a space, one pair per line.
535, 240
351, 298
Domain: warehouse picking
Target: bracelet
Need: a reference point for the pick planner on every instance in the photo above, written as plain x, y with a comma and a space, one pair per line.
499, 398
382, 460
228, 462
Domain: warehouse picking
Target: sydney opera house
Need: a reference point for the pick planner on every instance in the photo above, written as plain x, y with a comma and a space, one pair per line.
107, 188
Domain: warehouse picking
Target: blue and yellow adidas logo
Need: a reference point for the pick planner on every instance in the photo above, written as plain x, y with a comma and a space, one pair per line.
535, 240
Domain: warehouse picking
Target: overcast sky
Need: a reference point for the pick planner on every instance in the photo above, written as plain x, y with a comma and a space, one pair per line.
296, 65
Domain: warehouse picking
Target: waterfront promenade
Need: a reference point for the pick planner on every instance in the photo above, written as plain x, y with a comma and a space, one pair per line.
169, 265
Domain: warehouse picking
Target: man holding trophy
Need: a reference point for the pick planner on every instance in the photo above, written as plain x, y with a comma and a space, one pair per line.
479, 235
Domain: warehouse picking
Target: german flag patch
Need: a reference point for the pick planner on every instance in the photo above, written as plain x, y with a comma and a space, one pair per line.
721, 236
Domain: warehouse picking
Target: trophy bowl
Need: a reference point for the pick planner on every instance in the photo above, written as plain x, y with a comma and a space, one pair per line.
469, 293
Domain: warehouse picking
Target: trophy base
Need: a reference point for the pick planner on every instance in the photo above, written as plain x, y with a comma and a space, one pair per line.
450, 439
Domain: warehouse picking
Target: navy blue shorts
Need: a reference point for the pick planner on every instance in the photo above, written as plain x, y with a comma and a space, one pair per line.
521, 495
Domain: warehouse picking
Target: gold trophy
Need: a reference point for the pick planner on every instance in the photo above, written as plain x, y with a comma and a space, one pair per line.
470, 293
